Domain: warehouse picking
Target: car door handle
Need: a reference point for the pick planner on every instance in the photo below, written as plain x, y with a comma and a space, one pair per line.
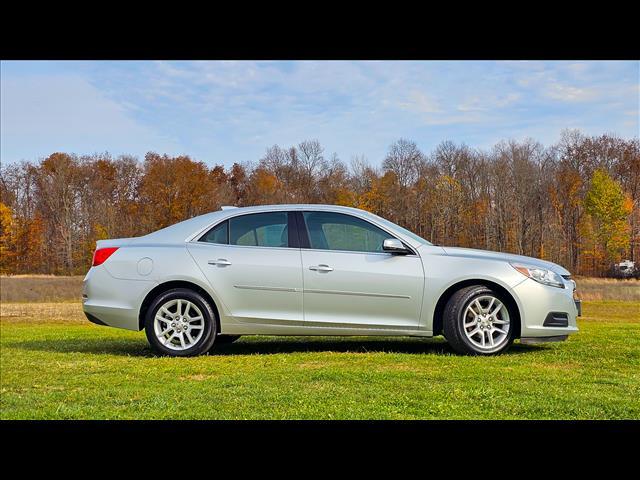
321, 268
222, 262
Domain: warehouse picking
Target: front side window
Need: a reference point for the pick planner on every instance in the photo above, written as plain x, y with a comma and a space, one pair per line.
395, 226
337, 231
259, 230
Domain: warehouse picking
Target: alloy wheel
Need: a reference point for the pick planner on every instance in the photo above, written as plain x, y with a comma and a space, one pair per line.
486, 323
179, 324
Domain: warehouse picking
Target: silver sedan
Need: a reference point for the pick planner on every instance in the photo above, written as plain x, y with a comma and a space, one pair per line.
320, 270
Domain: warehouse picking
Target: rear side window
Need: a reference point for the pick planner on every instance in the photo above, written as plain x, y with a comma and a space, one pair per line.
218, 234
259, 230
337, 231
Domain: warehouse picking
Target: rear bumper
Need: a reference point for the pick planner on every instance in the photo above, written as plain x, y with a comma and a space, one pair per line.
126, 318
113, 302
93, 319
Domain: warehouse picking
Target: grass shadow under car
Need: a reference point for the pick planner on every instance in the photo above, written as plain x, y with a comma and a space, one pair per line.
260, 345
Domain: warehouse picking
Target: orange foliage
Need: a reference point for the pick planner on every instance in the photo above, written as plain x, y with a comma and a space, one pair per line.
517, 197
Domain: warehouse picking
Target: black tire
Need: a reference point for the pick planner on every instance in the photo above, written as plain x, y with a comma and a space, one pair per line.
207, 339
226, 339
453, 321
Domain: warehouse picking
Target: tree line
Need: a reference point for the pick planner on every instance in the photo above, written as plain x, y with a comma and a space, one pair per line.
575, 202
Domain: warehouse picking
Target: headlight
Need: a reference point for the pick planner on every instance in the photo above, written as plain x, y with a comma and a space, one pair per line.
541, 275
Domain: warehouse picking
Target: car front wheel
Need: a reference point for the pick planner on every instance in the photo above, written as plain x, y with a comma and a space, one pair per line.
180, 323
477, 321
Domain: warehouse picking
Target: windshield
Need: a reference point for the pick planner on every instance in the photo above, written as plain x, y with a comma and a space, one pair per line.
406, 232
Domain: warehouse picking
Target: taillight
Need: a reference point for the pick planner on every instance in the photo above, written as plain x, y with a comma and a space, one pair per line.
101, 255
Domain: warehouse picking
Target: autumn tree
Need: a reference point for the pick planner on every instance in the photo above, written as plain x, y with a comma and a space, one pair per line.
310, 155
608, 208
238, 182
334, 184
576, 202
626, 169
59, 181
7, 246
173, 189
264, 188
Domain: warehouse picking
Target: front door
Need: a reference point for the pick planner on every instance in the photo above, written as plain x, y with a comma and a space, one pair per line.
350, 281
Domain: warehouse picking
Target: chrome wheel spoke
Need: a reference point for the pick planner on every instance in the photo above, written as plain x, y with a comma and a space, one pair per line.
187, 307
479, 307
472, 333
493, 300
163, 333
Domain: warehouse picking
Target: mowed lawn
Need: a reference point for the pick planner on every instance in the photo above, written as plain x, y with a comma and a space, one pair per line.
56, 365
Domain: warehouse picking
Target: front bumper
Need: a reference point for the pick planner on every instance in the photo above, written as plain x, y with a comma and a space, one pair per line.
537, 302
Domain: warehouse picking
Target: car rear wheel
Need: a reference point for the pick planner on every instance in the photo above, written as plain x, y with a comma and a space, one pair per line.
180, 323
477, 321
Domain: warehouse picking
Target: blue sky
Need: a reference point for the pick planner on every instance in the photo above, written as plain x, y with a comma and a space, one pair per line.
223, 112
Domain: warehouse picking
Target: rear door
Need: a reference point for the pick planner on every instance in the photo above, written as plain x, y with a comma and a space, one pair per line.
350, 281
253, 263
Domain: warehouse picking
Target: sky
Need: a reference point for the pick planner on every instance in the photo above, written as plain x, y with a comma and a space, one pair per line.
223, 112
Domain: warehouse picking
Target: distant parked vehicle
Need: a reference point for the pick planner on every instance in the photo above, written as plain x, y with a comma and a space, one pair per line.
320, 270
625, 269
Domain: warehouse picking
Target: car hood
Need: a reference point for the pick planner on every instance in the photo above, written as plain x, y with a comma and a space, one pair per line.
507, 257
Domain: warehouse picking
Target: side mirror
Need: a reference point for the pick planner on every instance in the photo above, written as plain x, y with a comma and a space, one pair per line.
393, 245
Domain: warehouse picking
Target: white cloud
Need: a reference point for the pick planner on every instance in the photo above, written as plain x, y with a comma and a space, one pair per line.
569, 93
488, 102
231, 111
47, 113
421, 102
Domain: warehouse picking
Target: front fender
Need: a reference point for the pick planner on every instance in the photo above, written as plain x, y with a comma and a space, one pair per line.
443, 272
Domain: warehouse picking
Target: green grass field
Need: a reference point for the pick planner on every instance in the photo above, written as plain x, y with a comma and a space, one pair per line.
55, 365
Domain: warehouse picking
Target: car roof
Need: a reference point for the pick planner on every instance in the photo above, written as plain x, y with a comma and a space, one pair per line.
293, 206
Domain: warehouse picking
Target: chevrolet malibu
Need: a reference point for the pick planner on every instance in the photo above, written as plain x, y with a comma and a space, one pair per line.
320, 270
